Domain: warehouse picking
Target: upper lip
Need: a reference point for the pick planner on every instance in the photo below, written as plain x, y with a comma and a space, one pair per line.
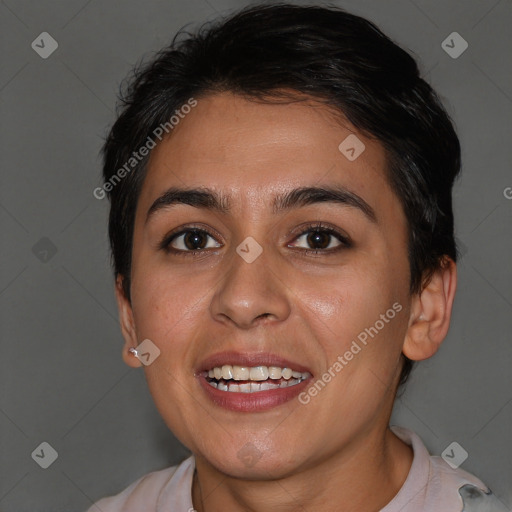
249, 359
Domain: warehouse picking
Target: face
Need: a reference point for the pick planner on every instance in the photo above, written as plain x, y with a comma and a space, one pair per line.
268, 279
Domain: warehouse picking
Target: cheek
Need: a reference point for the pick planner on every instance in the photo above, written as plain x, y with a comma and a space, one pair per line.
345, 300
162, 300
356, 307
166, 311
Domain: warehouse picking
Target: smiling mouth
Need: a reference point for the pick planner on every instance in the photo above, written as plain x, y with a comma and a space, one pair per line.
253, 379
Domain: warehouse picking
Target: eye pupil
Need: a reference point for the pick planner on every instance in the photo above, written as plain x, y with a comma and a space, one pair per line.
194, 238
315, 238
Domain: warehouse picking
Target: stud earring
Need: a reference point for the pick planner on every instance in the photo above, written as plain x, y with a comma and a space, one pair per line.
134, 352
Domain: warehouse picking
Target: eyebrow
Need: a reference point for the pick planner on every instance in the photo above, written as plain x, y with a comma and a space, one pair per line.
209, 199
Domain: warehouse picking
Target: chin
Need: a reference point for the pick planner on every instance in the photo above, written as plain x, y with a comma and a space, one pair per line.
251, 463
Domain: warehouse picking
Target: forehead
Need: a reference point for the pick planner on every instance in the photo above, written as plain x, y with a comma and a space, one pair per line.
252, 150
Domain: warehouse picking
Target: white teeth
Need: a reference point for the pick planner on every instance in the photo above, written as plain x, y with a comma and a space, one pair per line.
255, 373
287, 373
262, 378
240, 373
258, 373
253, 387
227, 372
274, 372
245, 387
289, 383
235, 388
268, 385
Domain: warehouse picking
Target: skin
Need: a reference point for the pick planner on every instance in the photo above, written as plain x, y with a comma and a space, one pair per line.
328, 454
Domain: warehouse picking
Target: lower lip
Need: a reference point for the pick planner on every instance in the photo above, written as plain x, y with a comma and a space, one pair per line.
251, 402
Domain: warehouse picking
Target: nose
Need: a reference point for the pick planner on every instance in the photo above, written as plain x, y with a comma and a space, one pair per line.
249, 294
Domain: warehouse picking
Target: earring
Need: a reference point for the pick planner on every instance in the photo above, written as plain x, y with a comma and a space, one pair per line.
134, 352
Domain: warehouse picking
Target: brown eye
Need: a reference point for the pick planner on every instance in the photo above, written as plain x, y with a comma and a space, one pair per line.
323, 239
189, 240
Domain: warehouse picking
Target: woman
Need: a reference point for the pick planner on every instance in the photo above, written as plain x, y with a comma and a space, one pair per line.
282, 233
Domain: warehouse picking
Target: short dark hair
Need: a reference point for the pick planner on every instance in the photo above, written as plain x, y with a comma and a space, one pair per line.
276, 51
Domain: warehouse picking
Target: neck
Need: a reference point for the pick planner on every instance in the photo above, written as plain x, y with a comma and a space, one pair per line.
363, 476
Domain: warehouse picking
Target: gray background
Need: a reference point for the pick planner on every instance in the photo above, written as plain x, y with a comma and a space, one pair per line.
61, 375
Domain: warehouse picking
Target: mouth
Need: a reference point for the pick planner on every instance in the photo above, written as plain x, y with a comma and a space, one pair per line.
251, 382
255, 379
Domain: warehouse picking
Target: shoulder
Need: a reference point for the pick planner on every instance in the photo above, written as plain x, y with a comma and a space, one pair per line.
433, 484
476, 500
147, 492
471, 493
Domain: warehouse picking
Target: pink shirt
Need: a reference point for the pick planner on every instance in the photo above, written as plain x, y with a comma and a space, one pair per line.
432, 485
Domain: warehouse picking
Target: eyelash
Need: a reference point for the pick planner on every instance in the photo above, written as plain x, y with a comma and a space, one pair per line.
310, 228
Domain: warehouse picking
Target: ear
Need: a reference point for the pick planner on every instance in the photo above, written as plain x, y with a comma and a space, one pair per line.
431, 311
127, 324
